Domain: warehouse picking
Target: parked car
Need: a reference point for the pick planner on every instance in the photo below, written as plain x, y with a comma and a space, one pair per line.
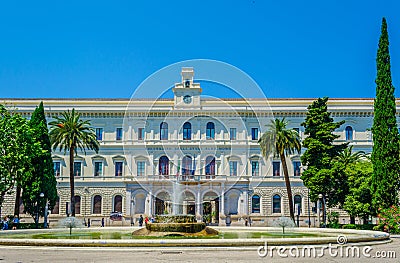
116, 216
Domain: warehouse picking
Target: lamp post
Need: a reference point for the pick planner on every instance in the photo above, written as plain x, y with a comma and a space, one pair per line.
309, 216
322, 198
41, 195
46, 210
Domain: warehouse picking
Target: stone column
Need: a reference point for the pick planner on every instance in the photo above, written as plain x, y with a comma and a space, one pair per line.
199, 203
221, 169
128, 203
155, 167
246, 202
151, 206
222, 207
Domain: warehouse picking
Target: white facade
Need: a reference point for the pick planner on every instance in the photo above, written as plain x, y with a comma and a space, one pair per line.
202, 153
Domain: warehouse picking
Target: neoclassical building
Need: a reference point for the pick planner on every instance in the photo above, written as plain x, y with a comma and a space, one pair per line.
189, 154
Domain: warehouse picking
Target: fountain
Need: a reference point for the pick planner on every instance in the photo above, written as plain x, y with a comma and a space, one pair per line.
177, 223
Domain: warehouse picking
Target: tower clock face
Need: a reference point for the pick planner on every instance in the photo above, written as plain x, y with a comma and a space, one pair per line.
187, 99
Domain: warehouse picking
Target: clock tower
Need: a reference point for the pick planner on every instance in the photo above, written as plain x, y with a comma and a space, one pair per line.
187, 93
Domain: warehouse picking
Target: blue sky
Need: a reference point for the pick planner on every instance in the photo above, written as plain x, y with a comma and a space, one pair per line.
292, 49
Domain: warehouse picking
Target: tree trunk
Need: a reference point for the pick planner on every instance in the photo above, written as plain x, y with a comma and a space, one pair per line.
17, 200
72, 179
352, 220
288, 186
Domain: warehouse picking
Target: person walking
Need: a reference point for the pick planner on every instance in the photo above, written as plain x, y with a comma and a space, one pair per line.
5, 223
88, 222
102, 222
141, 220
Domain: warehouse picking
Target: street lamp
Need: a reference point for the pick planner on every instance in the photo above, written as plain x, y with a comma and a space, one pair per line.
46, 211
41, 195
309, 216
322, 198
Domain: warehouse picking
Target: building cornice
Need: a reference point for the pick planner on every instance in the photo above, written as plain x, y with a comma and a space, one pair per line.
103, 107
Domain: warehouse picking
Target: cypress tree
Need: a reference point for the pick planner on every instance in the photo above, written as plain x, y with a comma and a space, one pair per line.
386, 148
42, 179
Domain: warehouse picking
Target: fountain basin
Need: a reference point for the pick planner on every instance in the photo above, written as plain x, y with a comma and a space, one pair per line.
315, 236
175, 219
175, 225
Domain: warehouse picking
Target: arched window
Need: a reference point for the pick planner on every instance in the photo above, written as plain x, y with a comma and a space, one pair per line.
276, 204
97, 204
164, 131
210, 131
187, 165
117, 203
349, 133
77, 200
187, 131
297, 202
210, 165
56, 208
255, 204
163, 166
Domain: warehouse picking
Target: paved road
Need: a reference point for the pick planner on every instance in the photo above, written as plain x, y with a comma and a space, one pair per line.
210, 255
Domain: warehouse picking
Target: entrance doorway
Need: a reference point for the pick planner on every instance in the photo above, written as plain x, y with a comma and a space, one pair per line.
211, 208
163, 204
188, 205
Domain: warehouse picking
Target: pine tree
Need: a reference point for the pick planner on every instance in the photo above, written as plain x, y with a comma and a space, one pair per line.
42, 179
386, 150
323, 174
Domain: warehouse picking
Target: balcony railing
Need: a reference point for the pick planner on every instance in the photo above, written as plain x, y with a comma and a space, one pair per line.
187, 178
177, 178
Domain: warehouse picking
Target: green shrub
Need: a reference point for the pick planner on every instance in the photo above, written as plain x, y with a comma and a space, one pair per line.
176, 227
333, 225
349, 226
359, 227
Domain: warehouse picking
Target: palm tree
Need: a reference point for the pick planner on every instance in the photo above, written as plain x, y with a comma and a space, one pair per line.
70, 133
348, 156
280, 141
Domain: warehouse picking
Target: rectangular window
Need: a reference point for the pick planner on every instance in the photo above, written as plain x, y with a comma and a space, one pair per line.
254, 134
232, 134
296, 168
140, 134
140, 168
99, 134
255, 170
118, 168
276, 166
77, 168
233, 168
98, 168
57, 168
119, 134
